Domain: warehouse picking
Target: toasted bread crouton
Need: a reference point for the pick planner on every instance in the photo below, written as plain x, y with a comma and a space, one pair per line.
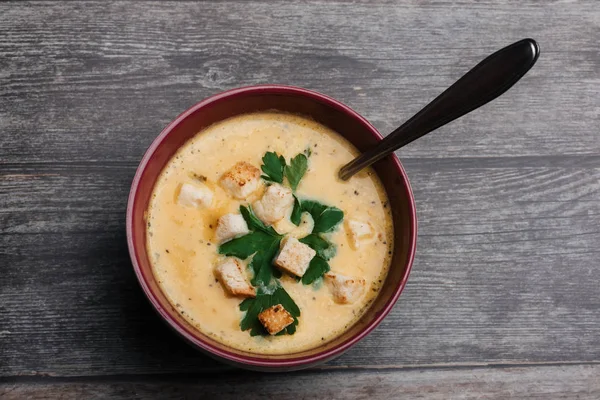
274, 204
230, 226
197, 195
294, 256
241, 180
359, 231
275, 319
231, 274
345, 289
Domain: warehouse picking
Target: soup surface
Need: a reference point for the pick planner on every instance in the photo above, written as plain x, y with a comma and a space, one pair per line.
183, 249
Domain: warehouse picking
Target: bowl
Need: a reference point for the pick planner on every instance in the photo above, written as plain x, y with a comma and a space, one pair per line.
328, 112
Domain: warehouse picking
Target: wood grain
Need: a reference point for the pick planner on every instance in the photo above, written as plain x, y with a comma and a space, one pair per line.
508, 197
504, 273
98, 81
556, 382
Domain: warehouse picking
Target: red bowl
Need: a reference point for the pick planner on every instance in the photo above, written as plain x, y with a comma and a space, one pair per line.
325, 110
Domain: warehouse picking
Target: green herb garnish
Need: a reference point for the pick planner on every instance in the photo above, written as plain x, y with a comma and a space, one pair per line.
318, 265
316, 269
262, 243
273, 167
268, 296
296, 170
296, 216
262, 264
254, 223
325, 218
243, 247
324, 248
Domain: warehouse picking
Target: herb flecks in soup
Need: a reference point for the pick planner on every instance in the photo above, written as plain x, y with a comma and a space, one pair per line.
258, 244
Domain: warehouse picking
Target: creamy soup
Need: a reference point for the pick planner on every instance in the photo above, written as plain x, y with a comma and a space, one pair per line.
184, 250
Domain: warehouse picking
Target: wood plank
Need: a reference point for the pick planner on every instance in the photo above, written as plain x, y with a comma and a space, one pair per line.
505, 272
99, 81
551, 382
507, 197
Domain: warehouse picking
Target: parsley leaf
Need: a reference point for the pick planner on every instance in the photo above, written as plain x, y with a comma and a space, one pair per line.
325, 218
263, 242
263, 247
244, 246
296, 170
253, 307
254, 223
328, 220
316, 269
273, 167
267, 296
314, 208
262, 264
318, 265
324, 248
296, 216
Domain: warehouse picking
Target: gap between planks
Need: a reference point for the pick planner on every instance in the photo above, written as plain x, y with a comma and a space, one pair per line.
219, 370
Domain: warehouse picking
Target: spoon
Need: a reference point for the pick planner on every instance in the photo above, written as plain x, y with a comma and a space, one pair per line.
482, 84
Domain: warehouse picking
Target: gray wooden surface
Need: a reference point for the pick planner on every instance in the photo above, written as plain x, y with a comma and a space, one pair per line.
504, 297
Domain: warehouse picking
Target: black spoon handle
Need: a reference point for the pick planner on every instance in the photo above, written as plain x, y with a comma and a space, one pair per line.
486, 81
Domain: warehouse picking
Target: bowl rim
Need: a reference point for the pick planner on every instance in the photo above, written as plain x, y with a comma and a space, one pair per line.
258, 360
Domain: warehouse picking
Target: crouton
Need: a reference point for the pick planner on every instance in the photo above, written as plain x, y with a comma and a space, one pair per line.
345, 289
242, 180
196, 195
230, 226
359, 231
231, 274
294, 256
274, 204
275, 319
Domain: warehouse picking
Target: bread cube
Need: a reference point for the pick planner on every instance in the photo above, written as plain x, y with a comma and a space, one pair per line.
196, 195
233, 277
359, 232
230, 226
274, 204
275, 319
345, 289
242, 180
294, 256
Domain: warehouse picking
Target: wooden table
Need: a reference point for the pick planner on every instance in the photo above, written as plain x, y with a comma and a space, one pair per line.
504, 297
